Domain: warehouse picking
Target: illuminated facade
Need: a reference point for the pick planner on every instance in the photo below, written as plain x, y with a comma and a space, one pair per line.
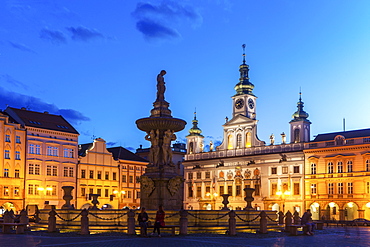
51, 156
12, 146
337, 180
242, 160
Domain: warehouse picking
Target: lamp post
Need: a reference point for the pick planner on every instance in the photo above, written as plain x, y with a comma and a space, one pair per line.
282, 196
213, 199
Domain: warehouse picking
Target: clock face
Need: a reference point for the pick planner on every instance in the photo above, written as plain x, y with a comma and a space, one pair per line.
251, 103
239, 103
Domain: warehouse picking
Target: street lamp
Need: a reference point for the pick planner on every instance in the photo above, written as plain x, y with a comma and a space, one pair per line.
282, 197
213, 198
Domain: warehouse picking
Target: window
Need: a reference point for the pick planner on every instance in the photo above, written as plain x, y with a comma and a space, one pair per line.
83, 173
313, 168
273, 170
138, 194
91, 191
285, 170
124, 178
71, 153
208, 175
7, 154
349, 166
6, 191
55, 151
367, 165
6, 172
99, 174
48, 190
368, 187
83, 191
128, 194
340, 167
37, 192
340, 188
68, 153
31, 148
70, 172
238, 191
49, 151
190, 191
37, 169
221, 190
208, 191
199, 175
285, 187
16, 191
199, 191
48, 170
54, 190
230, 190
296, 189
65, 153
38, 149
137, 179
91, 174
18, 139
330, 167
98, 192
124, 167
131, 167
257, 189
30, 189
190, 175
31, 168
114, 176
296, 169
65, 171
106, 193
350, 188
131, 179
330, 188
55, 170
7, 138
273, 189
238, 141
17, 155
16, 173
106, 175
313, 189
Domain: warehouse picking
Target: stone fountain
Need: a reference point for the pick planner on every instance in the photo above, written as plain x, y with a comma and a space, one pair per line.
161, 185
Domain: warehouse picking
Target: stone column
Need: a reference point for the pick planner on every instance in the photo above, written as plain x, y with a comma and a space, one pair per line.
288, 221
67, 197
183, 222
263, 222
232, 223
131, 223
281, 218
52, 221
84, 222
7, 219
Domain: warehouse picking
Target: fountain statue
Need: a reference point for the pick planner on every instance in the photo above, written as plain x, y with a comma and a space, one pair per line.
161, 184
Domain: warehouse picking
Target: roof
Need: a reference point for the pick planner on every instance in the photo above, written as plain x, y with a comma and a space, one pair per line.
82, 148
346, 134
40, 120
124, 154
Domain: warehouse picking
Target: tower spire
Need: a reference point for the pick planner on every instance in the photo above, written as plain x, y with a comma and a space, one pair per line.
195, 131
300, 114
244, 86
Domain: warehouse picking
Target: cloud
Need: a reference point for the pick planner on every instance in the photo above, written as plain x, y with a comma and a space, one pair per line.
162, 21
131, 149
56, 37
111, 144
84, 34
35, 104
21, 47
7, 78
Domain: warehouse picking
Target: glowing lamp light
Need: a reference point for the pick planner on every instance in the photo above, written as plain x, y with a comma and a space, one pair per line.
315, 204
208, 194
331, 204
123, 192
350, 204
49, 188
40, 189
115, 191
368, 205
287, 193
279, 193
215, 194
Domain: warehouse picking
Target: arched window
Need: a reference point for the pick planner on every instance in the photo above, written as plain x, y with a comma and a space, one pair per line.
248, 140
238, 141
297, 135
330, 167
349, 166
230, 142
340, 167
313, 168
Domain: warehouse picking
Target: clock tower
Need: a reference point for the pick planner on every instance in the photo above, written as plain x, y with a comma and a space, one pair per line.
244, 101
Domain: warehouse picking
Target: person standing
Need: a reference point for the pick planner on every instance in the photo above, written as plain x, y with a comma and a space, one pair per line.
142, 218
159, 221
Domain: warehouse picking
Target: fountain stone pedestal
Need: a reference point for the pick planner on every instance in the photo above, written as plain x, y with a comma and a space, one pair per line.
161, 184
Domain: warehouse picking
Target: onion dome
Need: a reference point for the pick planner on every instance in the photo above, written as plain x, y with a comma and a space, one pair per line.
300, 114
244, 86
195, 131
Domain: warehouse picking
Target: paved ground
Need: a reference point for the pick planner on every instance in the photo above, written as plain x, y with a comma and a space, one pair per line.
354, 236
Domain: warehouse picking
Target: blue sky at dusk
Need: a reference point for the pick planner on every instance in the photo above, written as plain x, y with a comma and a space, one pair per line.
96, 62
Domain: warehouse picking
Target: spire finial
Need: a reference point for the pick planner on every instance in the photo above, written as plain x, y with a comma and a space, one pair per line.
300, 94
195, 113
243, 53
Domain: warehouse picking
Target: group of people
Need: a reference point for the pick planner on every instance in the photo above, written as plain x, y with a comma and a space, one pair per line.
143, 220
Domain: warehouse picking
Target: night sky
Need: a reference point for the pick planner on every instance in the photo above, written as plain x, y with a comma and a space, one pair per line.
96, 62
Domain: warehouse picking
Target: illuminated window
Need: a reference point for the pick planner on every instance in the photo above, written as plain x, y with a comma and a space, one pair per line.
6, 191
273, 189
16, 191
330, 188
16, 173
248, 140
349, 166
54, 190
350, 188
285, 170
313, 189
330, 167
91, 175
340, 188
340, 167
230, 142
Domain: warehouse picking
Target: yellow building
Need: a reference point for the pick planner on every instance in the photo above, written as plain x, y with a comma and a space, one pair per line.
337, 175
98, 173
12, 146
50, 157
132, 167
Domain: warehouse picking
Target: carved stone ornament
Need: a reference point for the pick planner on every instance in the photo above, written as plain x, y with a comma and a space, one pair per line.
147, 185
247, 174
221, 174
174, 184
229, 175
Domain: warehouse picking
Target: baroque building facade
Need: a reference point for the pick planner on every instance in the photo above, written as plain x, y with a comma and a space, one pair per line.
242, 160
